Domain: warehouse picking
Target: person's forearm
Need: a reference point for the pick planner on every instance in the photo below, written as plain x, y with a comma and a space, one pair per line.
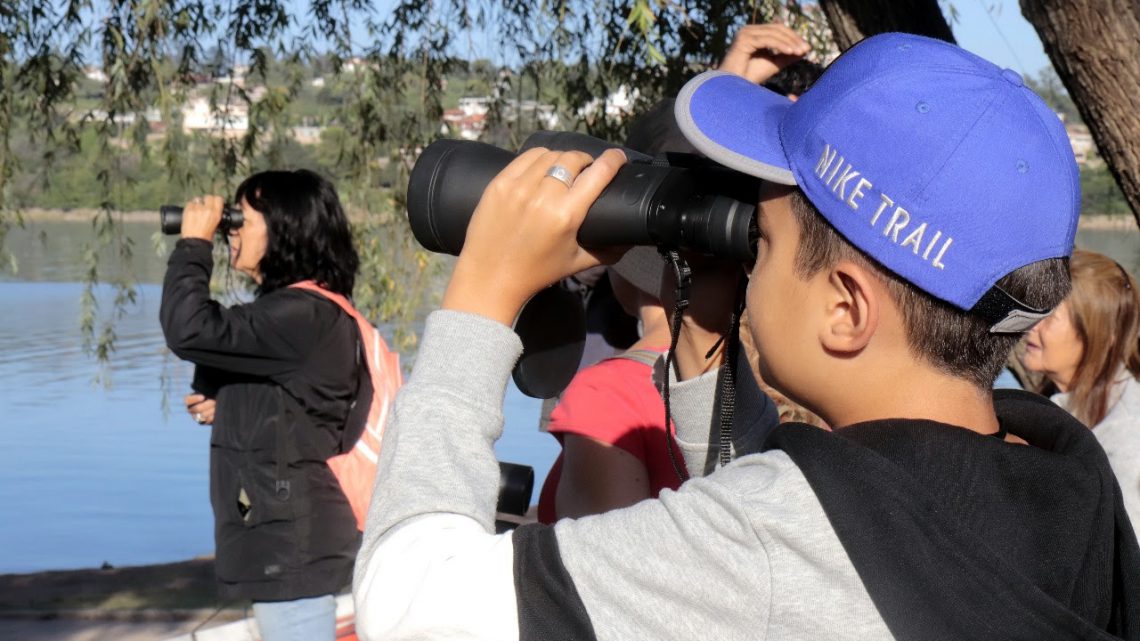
185, 291
437, 454
260, 339
437, 484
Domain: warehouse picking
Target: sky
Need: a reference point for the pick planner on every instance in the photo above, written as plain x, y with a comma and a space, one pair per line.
996, 31
993, 29
1000, 35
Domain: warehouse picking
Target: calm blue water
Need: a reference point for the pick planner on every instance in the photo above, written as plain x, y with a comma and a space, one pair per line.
91, 474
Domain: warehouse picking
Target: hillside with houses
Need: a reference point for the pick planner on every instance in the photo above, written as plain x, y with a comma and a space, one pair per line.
223, 103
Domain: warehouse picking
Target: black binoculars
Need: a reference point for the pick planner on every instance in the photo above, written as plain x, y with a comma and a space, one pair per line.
516, 484
673, 201
677, 201
170, 217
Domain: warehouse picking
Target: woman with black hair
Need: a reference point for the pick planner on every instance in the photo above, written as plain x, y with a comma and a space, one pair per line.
276, 378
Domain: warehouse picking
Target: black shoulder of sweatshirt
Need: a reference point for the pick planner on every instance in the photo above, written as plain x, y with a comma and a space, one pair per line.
958, 535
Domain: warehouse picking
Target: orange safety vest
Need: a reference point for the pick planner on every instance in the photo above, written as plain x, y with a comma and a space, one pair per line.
355, 468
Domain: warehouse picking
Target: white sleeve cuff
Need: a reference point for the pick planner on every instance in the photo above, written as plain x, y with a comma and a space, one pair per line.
438, 576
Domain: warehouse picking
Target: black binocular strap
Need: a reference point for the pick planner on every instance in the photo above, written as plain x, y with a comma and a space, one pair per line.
725, 402
684, 278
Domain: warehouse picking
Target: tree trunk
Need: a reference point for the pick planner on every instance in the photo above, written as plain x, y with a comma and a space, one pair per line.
1095, 48
853, 20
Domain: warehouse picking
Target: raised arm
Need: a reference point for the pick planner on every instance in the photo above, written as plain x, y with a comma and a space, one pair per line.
260, 339
760, 51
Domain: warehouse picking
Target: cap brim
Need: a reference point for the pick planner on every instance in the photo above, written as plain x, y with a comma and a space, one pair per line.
736, 123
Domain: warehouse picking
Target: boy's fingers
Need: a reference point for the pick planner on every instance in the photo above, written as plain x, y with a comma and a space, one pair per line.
593, 180
520, 165
572, 161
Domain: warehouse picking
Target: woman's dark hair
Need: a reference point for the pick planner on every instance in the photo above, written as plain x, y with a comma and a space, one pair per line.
309, 236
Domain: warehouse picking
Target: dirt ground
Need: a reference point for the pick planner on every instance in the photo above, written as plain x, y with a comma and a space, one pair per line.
82, 630
127, 592
145, 603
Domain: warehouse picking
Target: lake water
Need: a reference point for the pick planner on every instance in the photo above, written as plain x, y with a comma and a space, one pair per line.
91, 474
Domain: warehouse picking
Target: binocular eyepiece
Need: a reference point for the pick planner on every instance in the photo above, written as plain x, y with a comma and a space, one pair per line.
678, 201
170, 217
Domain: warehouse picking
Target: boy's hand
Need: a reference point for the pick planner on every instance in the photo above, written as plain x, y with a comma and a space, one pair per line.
760, 51
201, 217
522, 236
200, 408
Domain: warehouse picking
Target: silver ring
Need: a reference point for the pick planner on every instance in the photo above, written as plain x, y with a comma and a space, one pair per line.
198, 417
561, 174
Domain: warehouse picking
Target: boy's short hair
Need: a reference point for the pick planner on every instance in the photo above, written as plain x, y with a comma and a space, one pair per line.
942, 170
956, 342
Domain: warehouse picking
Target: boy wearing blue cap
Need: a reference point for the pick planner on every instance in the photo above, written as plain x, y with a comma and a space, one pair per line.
919, 209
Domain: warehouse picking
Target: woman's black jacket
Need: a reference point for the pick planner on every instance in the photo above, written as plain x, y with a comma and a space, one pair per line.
283, 370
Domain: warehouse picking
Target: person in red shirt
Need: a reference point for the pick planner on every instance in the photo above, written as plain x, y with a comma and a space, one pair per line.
611, 419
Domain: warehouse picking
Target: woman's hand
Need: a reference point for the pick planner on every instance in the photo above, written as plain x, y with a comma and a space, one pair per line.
523, 234
760, 51
200, 408
201, 217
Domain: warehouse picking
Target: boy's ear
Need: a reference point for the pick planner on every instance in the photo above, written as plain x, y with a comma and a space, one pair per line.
852, 314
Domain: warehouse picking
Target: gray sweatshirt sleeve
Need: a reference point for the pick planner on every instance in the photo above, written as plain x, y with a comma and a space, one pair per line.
429, 559
440, 443
692, 404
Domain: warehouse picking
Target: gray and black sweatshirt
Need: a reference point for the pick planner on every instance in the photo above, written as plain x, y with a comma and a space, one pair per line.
896, 529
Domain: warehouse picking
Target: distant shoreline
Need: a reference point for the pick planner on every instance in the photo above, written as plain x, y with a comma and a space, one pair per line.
85, 214
1101, 221
1090, 221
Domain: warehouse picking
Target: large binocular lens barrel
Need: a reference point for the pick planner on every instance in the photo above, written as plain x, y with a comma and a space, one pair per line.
645, 204
170, 217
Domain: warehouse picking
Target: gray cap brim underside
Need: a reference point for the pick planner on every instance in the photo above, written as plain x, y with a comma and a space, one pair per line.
714, 150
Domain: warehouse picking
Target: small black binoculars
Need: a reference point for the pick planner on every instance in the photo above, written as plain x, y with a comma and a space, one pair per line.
170, 217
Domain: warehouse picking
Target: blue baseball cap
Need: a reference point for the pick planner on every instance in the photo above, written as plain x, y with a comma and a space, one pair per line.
941, 166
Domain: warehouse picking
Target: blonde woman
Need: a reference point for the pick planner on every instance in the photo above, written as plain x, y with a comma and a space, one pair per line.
1089, 351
